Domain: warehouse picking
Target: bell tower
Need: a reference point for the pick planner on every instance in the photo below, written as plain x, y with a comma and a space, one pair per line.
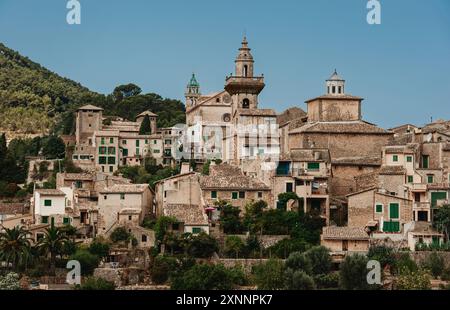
243, 86
335, 85
192, 93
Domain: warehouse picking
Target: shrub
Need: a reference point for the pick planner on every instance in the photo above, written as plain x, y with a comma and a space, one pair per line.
383, 254
233, 246
320, 259
10, 281
446, 274
299, 261
161, 267
202, 246
434, 263
298, 280
324, 281
269, 275
409, 280
404, 261
120, 234
88, 261
283, 248
96, 284
353, 273
99, 247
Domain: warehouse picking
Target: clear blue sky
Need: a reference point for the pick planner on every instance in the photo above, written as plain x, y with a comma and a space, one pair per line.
401, 67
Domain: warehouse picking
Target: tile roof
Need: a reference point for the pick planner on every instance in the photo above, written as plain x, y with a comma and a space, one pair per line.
12, 208
290, 115
336, 97
149, 113
351, 127
78, 176
187, 214
306, 155
357, 161
124, 188
50, 192
227, 177
90, 107
344, 233
392, 170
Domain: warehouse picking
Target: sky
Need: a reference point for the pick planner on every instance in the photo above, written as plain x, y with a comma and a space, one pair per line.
401, 67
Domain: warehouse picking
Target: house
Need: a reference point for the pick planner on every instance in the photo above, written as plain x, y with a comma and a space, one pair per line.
123, 203
50, 206
190, 218
345, 239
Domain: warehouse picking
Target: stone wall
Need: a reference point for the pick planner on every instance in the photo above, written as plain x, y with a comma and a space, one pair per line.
266, 240
419, 257
120, 276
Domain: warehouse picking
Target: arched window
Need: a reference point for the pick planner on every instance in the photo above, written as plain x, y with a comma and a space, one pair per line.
245, 71
245, 103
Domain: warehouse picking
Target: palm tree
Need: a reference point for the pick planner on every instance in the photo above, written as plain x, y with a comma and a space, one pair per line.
53, 243
15, 246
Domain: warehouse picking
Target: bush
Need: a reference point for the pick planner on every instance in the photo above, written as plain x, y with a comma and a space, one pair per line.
353, 273
205, 277
22, 193
233, 246
383, 254
404, 261
299, 261
161, 268
120, 234
229, 219
269, 275
88, 261
324, 281
320, 259
99, 247
202, 246
446, 274
298, 280
435, 264
283, 248
10, 281
409, 280
96, 284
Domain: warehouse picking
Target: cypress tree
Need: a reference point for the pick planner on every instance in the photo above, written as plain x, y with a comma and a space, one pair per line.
145, 126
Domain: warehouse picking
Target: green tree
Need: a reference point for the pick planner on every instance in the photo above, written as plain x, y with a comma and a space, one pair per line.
413, 280
299, 261
442, 220
54, 148
53, 243
269, 275
320, 259
15, 248
120, 234
99, 247
283, 248
96, 284
229, 218
353, 273
298, 280
161, 268
384, 254
202, 246
233, 246
88, 261
125, 91
145, 128
435, 264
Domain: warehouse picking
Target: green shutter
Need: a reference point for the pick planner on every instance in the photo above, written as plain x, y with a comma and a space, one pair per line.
111, 160
125, 152
409, 159
196, 230
394, 211
47, 202
430, 179
234, 195
410, 179
102, 160
435, 196
66, 220
395, 158
379, 208
213, 194
313, 166
425, 161
137, 143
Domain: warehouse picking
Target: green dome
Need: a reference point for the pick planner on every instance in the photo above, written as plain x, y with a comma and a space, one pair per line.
193, 82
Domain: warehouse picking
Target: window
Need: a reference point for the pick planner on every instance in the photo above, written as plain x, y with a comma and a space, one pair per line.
394, 211
234, 195
289, 187
111, 140
66, 221
410, 179
111, 160
102, 140
144, 238
260, 195
156, 151
313, 166
105, 197
409, 159
102, 150
146, 141
379, 208
391, 226
78, 184
122, 196
168, 142
241, 195
334, 89
125, 152
111, 169
214, 194
395, 158
124, 142
137, 143
196, 230
425, 161
430, 179
137, 152
112, 150
102, 160
48, 202
175, 226
154, 141
44, 219
75, 157
130, 217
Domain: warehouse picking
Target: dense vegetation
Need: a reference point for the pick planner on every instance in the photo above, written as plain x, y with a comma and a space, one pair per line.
36, 100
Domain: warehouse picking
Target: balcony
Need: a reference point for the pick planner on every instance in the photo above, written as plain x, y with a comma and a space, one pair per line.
418, 187
422, 205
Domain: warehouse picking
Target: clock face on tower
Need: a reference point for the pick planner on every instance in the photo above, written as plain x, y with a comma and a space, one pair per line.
226, 117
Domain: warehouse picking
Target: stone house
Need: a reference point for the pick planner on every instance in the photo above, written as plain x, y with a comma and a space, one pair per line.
345, 239
190, 218
49, 206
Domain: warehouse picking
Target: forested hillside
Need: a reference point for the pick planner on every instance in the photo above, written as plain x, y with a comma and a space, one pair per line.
34, 100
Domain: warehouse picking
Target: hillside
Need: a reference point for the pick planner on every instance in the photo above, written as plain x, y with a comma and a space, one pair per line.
36, 101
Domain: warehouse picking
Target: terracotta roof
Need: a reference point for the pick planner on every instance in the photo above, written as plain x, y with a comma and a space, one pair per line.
351, 127
187, 214
12, 208
290, 115
50, 192
90, 107
335, 97
357, 161
125, 188
405, 148
257, 112
149, 113
344, 233
78, 176
227, 177
392, 170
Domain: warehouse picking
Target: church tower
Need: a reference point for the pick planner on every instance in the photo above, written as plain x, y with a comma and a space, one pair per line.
243, 86
192, 92
335, 85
